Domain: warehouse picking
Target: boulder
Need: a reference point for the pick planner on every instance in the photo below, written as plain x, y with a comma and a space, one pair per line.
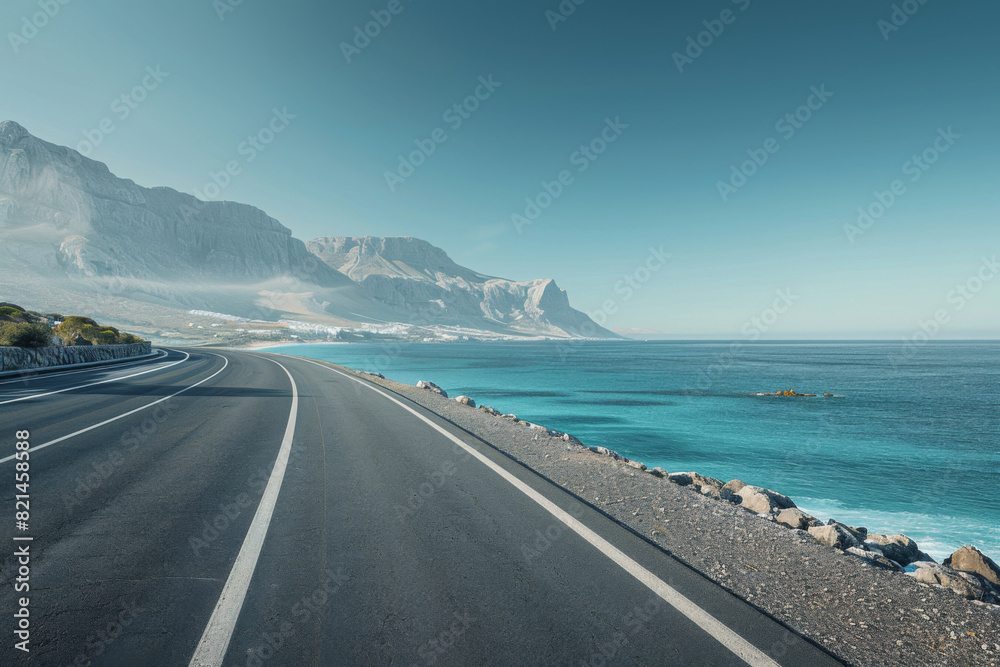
430, 386
80, 340
604, 451
837, 535
636, 465
861, 530
702, 481
795, 518
659, 472
680, 478
763, 501
710, 491
731, 496
875, 559
490, 411
465, 400
734, 485
968, 585
971, 559
899, 548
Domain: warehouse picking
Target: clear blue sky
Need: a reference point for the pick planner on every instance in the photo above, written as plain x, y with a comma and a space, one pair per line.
656, 185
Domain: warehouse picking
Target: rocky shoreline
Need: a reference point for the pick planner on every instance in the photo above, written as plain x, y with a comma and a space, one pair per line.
871, 599
967, 572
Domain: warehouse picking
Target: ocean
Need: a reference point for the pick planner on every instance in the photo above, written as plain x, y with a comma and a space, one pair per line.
909, 443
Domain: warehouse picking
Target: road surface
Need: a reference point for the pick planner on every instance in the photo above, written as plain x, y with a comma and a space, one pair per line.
237, 508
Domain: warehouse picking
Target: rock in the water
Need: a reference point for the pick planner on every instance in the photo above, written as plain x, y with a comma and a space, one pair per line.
837, 535
971, 559
899, 548
793, 517
430, 386
465, 400
763, 501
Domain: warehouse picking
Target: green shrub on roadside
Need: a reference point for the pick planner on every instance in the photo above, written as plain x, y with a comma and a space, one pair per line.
21, 334
93, 332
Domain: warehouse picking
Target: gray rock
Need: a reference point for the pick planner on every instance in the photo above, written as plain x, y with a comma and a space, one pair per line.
793, 517
680, 478
465, 400
899, 548
659, 472
637, 465
604, 451
966, 584
734, 485
710, 491
702, 480
971, 559
729, 495
837, 535
430, 386
763, 501
875, 559
861, 530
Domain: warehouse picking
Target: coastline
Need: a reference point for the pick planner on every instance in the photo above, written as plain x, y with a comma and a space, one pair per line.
863, 610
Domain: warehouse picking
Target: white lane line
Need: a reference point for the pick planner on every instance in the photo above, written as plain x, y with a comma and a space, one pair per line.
219, 631
44, 376
94, 384
720, 632
122, 416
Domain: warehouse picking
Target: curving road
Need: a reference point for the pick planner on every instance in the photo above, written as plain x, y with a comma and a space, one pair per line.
217, 507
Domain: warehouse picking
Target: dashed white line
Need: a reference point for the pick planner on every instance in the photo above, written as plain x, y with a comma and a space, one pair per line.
739, 646
219, 632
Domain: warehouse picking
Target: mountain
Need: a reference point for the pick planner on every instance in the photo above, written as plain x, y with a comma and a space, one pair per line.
73, 233
416, 276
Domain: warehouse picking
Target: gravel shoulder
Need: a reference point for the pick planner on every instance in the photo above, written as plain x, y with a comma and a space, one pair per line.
863, 615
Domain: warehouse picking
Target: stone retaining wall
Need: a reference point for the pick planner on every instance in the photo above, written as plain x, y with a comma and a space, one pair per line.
20, 359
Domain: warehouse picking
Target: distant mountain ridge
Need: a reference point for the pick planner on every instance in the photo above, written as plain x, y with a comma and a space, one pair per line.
406, 272
73, 232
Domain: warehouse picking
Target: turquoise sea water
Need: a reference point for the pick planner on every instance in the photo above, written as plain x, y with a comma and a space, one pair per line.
910, 444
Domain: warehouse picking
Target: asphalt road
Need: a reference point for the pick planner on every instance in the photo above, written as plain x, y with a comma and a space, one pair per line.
217, 507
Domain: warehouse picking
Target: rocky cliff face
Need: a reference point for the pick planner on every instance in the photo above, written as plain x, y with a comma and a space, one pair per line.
76, 236
107, 226
412, 274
